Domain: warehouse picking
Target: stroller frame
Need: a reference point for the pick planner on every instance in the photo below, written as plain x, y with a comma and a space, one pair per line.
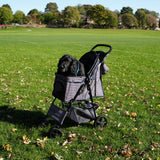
77, 107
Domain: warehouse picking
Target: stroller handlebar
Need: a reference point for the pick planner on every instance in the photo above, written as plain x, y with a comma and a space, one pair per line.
103, 45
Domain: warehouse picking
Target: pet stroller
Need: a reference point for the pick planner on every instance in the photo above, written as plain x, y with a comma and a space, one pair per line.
74, 93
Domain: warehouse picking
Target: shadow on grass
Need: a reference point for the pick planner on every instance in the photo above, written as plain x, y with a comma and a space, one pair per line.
30, 118
24, 118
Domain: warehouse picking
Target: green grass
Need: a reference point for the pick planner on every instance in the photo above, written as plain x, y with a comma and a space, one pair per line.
28, 60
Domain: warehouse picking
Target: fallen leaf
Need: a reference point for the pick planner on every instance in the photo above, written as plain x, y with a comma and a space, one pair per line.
133, 114
71, 137
110, 150
134, 129
56, 156
84, 138
65, 143
26, 140
136, 151
79, 152
13, 129
41, 101
126, 151
7, 147
42, 140
126, 113
40, 144
10, 156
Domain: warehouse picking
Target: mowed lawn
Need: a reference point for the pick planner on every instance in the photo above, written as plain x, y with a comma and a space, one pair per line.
28, 62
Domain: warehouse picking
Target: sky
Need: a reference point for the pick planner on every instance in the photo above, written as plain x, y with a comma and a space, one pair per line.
27, 5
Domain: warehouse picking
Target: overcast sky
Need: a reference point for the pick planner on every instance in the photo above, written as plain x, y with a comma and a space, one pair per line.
27, 5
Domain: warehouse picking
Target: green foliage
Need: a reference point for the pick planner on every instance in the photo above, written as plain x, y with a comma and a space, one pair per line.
18, 17
129, 20
98, 14
83, 9
33, 12
71, 16
50, 18
5, 15
155, 14
151, 21
7, 6
26, 19
28, 60
112, 20
141, 17
126, 10
51, 7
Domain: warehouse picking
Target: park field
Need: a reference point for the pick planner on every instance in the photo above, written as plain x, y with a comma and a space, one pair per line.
28, 62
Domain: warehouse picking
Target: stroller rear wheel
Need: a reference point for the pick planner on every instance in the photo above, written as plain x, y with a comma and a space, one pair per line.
54, 132
100, 121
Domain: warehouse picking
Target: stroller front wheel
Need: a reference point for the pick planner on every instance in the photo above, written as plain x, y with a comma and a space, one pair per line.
54, 132
100, 121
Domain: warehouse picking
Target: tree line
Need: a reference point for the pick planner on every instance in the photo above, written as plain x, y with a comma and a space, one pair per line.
82, 16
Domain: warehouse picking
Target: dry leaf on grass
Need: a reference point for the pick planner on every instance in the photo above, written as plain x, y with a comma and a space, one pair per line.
13, 129
40, 142
26, 140
7, 147
56, 156
72, 137
133, 114
126, 151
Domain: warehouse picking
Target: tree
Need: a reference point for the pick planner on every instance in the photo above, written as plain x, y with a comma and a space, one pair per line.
7, 6
34, 15
5, 15
112, 20
98, 14
26, 19
40, 16
141, 17
145, 10
51, 7
126, 10
33, 12
50, 18
151, 21
155, 14
117, 12
83, 9
71, 16
129, 20
18, 17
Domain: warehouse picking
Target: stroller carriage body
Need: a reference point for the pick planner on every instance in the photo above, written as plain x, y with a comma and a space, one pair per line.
75, 91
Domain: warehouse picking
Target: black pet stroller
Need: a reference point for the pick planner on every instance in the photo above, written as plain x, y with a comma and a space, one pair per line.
74, 93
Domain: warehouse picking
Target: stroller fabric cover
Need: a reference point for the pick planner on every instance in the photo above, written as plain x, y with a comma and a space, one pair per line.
65, 88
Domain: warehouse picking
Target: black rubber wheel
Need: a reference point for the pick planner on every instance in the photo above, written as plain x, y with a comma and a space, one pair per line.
54, 132
100, 121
